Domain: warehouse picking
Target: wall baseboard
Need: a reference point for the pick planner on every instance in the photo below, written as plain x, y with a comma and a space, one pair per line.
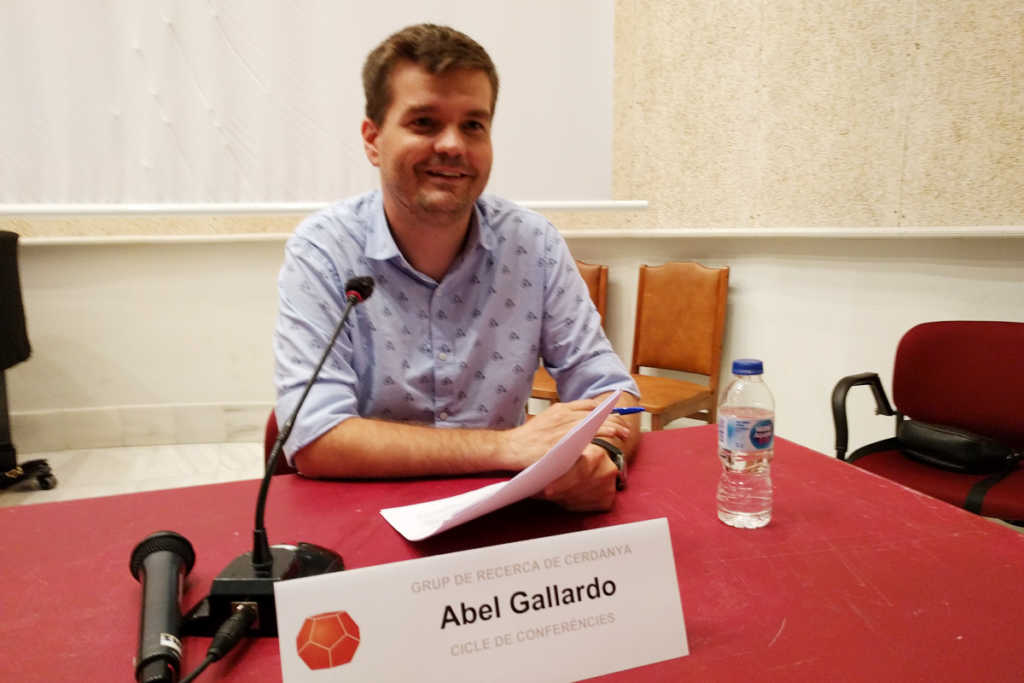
145, 425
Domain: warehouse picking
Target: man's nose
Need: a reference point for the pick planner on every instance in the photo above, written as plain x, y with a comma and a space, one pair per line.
450, 141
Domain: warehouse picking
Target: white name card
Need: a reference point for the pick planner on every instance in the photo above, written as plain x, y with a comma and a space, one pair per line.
558, 608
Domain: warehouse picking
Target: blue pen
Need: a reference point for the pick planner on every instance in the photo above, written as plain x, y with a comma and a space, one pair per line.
628, 411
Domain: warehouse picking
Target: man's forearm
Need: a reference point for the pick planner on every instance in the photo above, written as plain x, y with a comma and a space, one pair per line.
369, 448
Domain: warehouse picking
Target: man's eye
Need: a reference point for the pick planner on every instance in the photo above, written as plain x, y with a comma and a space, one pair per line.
474, 125
423, 123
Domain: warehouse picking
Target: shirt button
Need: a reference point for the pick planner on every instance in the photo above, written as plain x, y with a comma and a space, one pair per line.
443, 416
442, 356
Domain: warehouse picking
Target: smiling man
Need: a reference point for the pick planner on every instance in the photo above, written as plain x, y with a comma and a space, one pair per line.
432, 374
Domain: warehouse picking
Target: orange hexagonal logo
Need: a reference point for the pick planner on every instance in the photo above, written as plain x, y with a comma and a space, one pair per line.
327, 640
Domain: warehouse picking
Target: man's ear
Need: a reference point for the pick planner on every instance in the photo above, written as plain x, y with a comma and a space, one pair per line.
370, 131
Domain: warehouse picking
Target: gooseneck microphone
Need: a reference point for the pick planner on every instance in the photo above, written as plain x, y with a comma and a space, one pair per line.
248, 582
357, 290
160, 562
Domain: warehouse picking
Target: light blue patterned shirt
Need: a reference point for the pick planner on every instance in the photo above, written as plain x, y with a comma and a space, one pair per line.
459, 353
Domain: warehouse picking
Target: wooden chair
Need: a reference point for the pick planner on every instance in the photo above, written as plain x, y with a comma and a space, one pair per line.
596, 277
680, 322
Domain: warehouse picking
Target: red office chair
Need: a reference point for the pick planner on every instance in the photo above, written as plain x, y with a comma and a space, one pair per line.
964, 375
269, 437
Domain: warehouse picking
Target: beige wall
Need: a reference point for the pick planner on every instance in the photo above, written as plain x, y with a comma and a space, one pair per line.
782, 114
170, 342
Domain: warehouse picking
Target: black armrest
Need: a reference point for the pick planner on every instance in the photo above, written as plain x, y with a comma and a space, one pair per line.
882, 406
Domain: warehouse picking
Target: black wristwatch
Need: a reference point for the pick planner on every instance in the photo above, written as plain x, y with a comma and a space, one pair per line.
615, 453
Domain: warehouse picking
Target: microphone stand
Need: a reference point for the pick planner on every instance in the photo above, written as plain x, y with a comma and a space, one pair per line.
248, 582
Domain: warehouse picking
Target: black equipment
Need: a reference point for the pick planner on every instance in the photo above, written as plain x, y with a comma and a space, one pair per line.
160, 562
14, 348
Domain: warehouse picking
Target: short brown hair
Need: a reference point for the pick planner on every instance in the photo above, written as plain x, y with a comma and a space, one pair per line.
438, 49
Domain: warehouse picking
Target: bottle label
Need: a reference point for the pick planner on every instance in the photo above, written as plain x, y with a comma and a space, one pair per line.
745, 434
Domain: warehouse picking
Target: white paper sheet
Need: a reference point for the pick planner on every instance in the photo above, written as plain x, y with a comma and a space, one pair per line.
424, 520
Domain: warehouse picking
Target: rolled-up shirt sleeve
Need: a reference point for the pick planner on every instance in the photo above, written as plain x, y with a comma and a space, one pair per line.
574, 347
311, 301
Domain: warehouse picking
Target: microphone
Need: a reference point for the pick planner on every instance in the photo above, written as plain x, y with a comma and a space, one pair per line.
160, 562
248, 582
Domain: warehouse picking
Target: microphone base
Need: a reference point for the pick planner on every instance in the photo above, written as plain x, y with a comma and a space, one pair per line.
240, 585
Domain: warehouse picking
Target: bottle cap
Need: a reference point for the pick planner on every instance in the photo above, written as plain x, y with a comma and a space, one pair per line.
747, 366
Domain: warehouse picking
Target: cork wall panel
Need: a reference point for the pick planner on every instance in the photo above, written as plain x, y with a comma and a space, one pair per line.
820, 114
686, 126
965, 132
148, 225
832, 78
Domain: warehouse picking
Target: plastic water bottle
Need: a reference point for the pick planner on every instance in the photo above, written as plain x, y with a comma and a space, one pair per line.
746, 435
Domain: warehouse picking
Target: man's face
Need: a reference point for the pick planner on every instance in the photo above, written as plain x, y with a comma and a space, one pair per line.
434, 146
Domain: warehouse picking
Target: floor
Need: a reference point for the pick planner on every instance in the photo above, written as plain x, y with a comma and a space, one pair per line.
95, 472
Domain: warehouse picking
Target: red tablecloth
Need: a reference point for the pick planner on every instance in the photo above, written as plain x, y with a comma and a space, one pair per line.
855, 578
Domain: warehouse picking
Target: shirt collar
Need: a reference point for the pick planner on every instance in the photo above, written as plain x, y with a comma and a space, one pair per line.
381, 246
484, 231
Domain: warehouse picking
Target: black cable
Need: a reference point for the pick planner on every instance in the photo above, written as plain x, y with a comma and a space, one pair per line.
199, 669
227, 637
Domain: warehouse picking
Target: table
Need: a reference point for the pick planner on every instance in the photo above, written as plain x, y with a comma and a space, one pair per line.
855, 579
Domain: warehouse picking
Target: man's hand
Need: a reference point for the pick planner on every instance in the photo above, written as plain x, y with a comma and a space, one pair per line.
527, 443
369, 448
590, 482
588, 485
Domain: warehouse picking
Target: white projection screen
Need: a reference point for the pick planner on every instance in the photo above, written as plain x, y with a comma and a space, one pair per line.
260, 101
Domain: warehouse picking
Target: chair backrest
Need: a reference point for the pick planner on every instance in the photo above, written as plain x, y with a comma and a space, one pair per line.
596, 277
963, 373
680, 318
